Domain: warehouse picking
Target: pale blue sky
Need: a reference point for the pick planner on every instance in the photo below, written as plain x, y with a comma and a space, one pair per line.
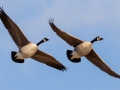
84, 19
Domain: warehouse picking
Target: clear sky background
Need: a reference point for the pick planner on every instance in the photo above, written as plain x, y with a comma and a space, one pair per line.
84, 19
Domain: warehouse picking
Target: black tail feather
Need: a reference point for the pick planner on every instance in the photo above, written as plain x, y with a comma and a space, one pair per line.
75, 60
13, 53
69, 54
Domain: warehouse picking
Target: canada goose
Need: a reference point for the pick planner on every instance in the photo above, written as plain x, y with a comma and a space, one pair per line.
82, 48
27, 49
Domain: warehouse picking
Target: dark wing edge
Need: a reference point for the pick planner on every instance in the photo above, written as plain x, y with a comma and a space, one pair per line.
15, 32
48, 60
97, 61
72, 41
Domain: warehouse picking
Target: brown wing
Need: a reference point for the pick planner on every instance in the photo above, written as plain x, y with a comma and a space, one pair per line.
15, 32
66, 37
97, 61
48, 60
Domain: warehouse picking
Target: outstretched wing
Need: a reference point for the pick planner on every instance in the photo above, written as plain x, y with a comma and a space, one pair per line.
73, 41
48, 60
15, 32
97, 61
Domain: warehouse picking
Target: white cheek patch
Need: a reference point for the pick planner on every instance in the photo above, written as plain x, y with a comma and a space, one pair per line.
44, 40
98, 39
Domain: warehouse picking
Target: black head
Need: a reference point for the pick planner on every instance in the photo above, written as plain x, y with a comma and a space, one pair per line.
45, 39
98, 38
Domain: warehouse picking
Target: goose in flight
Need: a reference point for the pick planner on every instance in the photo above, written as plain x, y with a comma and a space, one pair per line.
27, 49
82, 48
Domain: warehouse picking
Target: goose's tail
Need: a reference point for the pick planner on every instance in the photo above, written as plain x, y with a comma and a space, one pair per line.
13, 53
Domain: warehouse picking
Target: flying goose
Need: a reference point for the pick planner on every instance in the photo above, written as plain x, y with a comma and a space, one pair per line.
82, 48
27, 49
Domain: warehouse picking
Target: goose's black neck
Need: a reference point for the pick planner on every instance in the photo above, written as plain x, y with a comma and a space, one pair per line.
43, 40
40, 42
93, 40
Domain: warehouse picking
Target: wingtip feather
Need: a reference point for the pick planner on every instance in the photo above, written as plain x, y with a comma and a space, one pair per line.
51, 20
1, 9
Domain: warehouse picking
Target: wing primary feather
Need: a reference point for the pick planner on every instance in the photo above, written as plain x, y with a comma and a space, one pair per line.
48, 60
97, 61
15, 32
66, 37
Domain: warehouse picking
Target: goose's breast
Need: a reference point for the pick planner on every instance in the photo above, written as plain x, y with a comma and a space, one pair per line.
28, 50
84, 48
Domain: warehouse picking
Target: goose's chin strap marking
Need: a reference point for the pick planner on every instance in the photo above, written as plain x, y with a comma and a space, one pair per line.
13, 53
44, 40
75, 60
